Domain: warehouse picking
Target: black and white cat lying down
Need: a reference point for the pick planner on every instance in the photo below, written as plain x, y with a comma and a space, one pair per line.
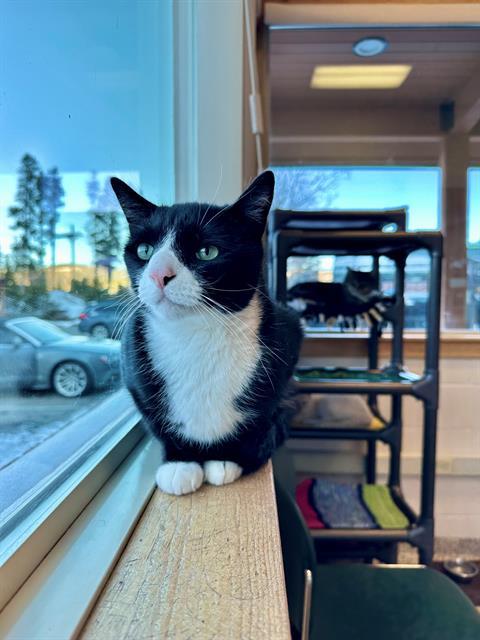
207, 356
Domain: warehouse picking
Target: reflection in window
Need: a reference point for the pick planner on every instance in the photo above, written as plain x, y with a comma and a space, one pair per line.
473, 250
415, 188
85, 97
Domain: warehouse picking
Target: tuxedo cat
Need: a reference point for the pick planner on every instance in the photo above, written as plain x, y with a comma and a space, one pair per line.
207, 356
354, 298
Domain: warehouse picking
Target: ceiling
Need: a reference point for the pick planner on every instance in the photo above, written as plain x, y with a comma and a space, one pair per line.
443, 61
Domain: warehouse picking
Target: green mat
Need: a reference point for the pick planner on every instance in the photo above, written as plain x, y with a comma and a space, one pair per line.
381, 505
354, 375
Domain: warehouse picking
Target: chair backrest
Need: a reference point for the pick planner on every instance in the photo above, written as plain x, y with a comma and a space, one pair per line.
298, 559
391, 602
284, 469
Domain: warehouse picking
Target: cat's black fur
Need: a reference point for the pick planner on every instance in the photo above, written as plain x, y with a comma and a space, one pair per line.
356, 295
237, 230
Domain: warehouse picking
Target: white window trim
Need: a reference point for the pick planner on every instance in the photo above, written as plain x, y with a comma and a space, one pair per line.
209, 96
33, 525
59, 595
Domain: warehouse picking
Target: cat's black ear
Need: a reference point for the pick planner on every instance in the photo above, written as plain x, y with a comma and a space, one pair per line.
134, 206
256, 200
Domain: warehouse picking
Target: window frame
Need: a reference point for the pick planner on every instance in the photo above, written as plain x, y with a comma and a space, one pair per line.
86, 493
62, 589
474, 164
34, 523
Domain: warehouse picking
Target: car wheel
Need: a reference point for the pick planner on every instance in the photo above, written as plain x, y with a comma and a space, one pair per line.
70, 380
100, 331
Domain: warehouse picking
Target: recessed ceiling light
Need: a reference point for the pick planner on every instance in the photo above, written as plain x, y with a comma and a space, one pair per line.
368, 47
360, 76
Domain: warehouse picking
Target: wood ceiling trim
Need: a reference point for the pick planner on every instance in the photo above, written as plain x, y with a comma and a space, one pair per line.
443, 61
467, 105
447, 2
392, 33
368, 13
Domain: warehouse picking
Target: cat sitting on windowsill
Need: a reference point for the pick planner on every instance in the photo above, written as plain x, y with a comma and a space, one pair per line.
207, 356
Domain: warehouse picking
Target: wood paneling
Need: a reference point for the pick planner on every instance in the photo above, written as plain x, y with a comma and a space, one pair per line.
375, 2
202, 566
442, 62
356, 121
452, 345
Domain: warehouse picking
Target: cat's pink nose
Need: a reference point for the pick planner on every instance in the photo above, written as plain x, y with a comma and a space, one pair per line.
162, 277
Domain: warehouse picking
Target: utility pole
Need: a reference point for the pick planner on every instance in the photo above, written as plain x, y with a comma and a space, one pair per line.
72, 236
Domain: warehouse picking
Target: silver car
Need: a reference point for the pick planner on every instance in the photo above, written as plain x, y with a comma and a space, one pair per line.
36, 354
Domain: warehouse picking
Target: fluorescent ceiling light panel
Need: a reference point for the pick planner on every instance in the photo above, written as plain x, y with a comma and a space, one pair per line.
360, 76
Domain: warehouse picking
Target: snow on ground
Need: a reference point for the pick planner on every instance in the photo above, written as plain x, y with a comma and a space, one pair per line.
28, 420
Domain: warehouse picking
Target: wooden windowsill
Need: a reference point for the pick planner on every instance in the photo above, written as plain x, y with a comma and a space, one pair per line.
206, 565
453, 344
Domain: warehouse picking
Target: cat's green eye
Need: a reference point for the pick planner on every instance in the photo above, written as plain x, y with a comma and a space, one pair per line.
144, 251
207, 253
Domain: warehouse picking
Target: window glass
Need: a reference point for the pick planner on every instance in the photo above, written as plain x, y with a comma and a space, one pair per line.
86, 93
415, 188
7, 337
38, 330
473, 249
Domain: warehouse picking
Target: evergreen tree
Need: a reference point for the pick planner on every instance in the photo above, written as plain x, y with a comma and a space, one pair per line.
8, 268
53, 193
8, 287
93, 189
104, 229
88, 292
27, 215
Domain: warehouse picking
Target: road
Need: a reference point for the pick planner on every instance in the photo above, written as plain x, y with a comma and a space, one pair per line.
26, 420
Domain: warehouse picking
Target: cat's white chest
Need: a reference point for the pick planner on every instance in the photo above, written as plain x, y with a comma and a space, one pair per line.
206, 362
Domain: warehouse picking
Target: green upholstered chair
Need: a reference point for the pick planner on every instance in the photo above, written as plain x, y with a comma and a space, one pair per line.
367, 602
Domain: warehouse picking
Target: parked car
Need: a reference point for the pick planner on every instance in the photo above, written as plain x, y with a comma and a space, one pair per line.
415, 313
36, 354
101, 319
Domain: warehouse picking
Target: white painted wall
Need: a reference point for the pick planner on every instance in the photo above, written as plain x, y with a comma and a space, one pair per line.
457, 504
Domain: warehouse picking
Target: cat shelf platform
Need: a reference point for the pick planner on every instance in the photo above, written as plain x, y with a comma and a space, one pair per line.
326, 504
386, 219
381, 381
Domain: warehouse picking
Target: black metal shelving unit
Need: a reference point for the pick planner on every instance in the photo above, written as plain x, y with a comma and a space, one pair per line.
364, 233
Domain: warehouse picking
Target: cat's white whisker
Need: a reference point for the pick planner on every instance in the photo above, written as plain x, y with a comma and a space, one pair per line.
214, 195
227, 311
125, 317
218, 317
244, 194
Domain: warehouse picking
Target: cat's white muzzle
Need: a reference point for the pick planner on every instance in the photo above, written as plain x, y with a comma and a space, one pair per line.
181, 292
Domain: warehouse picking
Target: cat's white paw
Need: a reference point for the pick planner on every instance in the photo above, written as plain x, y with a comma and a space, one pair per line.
221, 471
179, 477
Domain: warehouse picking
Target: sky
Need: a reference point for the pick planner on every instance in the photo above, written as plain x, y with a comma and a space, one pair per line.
360, 188
473, 228
74, 213
92, 90
417, 188
84, 90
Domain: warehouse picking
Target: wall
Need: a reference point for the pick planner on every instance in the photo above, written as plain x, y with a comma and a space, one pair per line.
458, 448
